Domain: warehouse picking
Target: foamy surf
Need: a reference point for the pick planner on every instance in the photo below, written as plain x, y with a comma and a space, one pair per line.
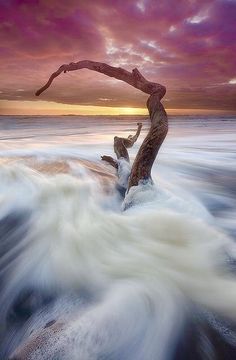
81, 278
136, 273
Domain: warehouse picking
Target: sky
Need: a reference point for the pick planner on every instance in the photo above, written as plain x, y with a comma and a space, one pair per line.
187, 45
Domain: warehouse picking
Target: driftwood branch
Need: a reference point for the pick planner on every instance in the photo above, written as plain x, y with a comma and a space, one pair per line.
133, 78
129, 142
142, 166
120, 148
110, 161
141, 169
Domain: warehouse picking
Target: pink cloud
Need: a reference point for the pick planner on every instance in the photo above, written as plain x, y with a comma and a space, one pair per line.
189, 46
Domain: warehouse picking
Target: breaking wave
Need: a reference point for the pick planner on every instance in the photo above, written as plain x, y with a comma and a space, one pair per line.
82, 279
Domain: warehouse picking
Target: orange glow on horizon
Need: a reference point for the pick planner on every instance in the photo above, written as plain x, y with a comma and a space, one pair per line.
15, 107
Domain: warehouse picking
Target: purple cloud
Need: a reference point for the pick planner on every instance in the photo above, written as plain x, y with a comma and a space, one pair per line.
190, 47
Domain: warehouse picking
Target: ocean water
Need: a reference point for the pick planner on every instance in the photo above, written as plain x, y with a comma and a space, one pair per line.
81, 278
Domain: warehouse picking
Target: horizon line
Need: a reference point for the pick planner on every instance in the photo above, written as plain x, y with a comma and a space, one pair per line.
50, 108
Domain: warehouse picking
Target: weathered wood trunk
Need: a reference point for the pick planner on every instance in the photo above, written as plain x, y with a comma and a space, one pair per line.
142, 166
141, 169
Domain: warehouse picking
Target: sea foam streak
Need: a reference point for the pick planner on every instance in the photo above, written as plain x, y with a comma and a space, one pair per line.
120, 285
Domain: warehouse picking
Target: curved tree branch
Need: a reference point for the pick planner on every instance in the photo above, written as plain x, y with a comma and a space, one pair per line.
120, 147
141, 169
129, 142
134, 79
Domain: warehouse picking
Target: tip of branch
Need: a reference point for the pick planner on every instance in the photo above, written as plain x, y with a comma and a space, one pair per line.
37, 93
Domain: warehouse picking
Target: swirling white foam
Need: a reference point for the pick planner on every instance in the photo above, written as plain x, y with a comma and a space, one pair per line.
141, 267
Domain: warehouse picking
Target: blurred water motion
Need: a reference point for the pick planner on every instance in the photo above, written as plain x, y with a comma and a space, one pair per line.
156, 281
198, 155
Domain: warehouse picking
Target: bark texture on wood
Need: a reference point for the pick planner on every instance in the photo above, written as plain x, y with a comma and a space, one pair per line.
129, 142
120, 148
122, 144
142, 166
133, 78
110, 161
147, 153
